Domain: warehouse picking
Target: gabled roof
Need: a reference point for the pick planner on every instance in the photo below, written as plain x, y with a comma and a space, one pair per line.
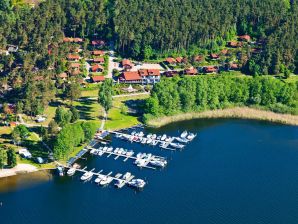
73, 56
191, 71
99, 60
214, 56
198, 58
63, 75
94, 68
98, 78
154, 72
126, 62
75, 65
98, 52
244, 37
131, 76
98, 42
171, 60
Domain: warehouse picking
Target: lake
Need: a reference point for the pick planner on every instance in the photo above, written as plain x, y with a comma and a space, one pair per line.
235, 171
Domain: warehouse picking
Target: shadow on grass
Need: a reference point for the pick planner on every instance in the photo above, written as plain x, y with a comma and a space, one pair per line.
85, 108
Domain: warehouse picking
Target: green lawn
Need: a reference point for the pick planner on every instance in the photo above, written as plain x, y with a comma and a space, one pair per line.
89, 109
90, 93
117, 120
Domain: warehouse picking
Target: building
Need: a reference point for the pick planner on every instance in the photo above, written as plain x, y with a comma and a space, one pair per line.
100, 60
98, 43
73, 57
170, 61
25, 153
210, 69
127, 64
235, 44
246, 38
198, 58
97, 78
191, 71
98, 53
97, 68
75, 65
234, 66
214, 56
130, 77
63, 76
143, 76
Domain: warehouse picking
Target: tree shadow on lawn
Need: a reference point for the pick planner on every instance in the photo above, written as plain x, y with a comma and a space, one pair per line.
85, 108
37, 149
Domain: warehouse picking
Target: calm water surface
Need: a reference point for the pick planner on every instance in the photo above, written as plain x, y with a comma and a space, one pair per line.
233, 172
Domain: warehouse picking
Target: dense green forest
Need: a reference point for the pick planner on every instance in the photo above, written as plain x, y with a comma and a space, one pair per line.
173, 96
153, 28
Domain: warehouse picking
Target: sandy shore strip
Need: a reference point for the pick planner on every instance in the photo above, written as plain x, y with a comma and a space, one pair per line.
237, 112
20, 168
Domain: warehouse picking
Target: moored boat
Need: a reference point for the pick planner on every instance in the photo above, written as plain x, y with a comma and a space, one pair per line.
137, 183
71, 171
184, 134
87, 176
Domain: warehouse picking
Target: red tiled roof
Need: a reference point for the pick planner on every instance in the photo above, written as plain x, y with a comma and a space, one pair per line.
131, 76
98, 42
210, 69
75, 65
214, 56
191, 71
179, 59
98, 52
70, 39
75, 72
143, 72
198, 58
126, 62
72, 56
234, 66
98, 78
94, 68
154, 72
224, 51
101, 60
244, 37
171, 60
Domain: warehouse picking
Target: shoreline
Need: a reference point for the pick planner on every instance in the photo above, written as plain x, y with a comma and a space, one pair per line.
236, 112
19, 169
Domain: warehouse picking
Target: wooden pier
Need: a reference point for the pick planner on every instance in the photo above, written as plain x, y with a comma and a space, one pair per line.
127, 157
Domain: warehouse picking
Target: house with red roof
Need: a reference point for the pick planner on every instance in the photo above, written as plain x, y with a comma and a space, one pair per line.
198, 58
191, 71
63, 76
97, 68
127, 64
98, 43
234, 66
97, 78
73, 57
214, 56
143, 76
245, 37
210, 69
171, 61
75, 65
98, 53
100, 60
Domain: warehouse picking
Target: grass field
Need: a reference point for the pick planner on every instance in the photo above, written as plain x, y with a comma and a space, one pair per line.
118, 120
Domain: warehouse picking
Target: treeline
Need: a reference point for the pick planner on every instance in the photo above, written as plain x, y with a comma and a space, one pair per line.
71, 136
188, 94
153, 28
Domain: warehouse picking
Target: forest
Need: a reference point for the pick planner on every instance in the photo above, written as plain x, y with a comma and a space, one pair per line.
154, 28
191, 94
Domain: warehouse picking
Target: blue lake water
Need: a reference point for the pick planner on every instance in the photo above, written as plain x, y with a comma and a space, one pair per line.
235, 171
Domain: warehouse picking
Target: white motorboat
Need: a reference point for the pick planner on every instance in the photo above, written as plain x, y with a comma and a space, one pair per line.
184, 134
105, 149
168, 139
154, 142
87, 176
158, 163
154, 136
110, 149
182, 140
134, 133
177, 145
93, 151
124, 152
191, 136
119, 183
99, 178
60, 171
140, 162
163, 137
126, 176
71, 171
106, 180
149, 136
149, 140
137, 183
129, 153
158, 137
116, 150
120, 151
100, 152
144, 141
141, 134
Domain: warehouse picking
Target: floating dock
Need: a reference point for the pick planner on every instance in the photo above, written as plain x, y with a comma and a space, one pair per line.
145, 163
122, 182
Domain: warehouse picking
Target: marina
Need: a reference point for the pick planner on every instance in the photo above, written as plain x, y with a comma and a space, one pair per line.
142, 160
105, 179
162, 141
